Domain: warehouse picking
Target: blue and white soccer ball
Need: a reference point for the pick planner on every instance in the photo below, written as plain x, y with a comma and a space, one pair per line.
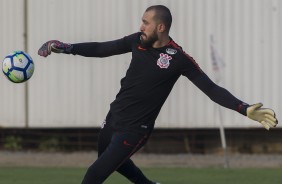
18, 66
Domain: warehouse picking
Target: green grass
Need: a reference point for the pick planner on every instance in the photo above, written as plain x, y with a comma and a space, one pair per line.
33, 175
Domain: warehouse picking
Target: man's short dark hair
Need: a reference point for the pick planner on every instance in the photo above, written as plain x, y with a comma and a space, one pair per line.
162, 15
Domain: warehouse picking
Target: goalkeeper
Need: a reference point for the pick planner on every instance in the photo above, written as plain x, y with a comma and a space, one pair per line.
157, 63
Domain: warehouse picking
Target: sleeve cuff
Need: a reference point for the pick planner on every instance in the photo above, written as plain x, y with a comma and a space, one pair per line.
242, 108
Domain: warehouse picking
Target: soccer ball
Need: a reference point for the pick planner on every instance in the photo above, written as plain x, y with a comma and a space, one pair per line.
18, 66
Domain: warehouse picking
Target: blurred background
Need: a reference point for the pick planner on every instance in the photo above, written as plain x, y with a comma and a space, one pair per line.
237, 43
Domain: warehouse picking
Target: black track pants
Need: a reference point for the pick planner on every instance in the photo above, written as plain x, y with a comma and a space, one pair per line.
114, 151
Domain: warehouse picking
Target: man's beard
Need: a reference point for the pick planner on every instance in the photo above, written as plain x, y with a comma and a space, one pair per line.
149, 41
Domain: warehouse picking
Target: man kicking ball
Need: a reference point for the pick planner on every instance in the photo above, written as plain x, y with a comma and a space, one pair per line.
157, 63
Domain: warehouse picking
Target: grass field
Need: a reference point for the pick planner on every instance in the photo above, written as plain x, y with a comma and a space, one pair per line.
34, 175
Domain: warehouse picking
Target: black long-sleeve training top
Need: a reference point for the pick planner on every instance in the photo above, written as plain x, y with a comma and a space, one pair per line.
149, 79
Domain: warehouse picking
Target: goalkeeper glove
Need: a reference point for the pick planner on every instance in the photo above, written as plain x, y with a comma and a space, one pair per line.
264, 116
54, 46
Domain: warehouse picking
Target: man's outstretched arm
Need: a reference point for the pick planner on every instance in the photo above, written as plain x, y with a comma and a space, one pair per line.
265, 116
89, 49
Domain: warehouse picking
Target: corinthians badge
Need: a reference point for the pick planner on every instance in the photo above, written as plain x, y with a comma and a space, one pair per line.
163, 61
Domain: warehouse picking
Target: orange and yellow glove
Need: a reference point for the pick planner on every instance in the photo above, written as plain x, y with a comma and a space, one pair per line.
264, 116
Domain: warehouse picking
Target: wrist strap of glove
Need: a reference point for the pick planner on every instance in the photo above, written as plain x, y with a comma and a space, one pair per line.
60, 47
67, 48
242, 108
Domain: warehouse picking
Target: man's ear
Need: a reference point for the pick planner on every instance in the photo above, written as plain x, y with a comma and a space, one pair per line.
161, 28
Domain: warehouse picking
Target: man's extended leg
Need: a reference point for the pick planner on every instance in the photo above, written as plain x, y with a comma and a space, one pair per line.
133, 173
118, 151
128, 168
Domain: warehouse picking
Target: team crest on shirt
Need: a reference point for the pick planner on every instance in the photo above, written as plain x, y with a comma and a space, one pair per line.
163, 61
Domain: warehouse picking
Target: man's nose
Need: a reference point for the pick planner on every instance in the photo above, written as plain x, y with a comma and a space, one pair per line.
142, 28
